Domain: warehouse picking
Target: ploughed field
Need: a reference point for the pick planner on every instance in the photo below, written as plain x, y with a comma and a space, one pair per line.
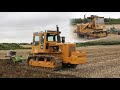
102, 62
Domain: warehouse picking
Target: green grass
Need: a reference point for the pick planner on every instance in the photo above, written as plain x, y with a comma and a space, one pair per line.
13, 46
94, 43
27, 46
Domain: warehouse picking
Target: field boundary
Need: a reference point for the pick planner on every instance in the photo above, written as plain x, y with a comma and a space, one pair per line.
94, 43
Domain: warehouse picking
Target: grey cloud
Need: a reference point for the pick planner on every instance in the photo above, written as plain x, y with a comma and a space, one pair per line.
29, 19
19, 26
104, 14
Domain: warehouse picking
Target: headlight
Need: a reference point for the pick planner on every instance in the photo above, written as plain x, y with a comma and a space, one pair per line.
35, 49
41, 47
59, 50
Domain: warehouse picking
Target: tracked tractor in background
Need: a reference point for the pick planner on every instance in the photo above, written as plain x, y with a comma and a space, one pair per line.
50, 50
93, 28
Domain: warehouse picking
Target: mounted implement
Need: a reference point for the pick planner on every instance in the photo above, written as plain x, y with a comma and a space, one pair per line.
14, 58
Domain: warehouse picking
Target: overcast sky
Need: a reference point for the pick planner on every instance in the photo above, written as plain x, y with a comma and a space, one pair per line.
104, 14
19, 26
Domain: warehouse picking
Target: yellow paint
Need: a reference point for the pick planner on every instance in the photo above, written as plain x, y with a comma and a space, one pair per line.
66, 51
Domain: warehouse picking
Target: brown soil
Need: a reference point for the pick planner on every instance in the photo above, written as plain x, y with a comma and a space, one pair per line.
102, 62
10, 70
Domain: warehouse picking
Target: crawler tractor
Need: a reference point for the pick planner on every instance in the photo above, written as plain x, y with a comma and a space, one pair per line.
50, 50
93, 28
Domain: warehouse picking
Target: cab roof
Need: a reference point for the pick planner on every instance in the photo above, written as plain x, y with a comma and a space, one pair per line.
48, 31
54, 32
94, 16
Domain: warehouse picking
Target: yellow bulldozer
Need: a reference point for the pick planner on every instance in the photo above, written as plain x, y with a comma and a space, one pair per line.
93, 28
50, 50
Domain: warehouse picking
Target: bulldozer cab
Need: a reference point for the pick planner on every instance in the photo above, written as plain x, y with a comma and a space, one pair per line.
44, 41
49, 36
96, 19
53, 36
96, 22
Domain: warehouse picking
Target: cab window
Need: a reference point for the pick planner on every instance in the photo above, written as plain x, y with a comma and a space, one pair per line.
52, 38
42, 39
36, 40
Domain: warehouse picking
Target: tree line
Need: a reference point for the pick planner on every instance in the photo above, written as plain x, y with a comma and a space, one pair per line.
13, 46
74, 21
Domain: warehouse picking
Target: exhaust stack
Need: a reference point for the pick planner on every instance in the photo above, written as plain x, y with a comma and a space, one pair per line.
58, 36
63, 39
